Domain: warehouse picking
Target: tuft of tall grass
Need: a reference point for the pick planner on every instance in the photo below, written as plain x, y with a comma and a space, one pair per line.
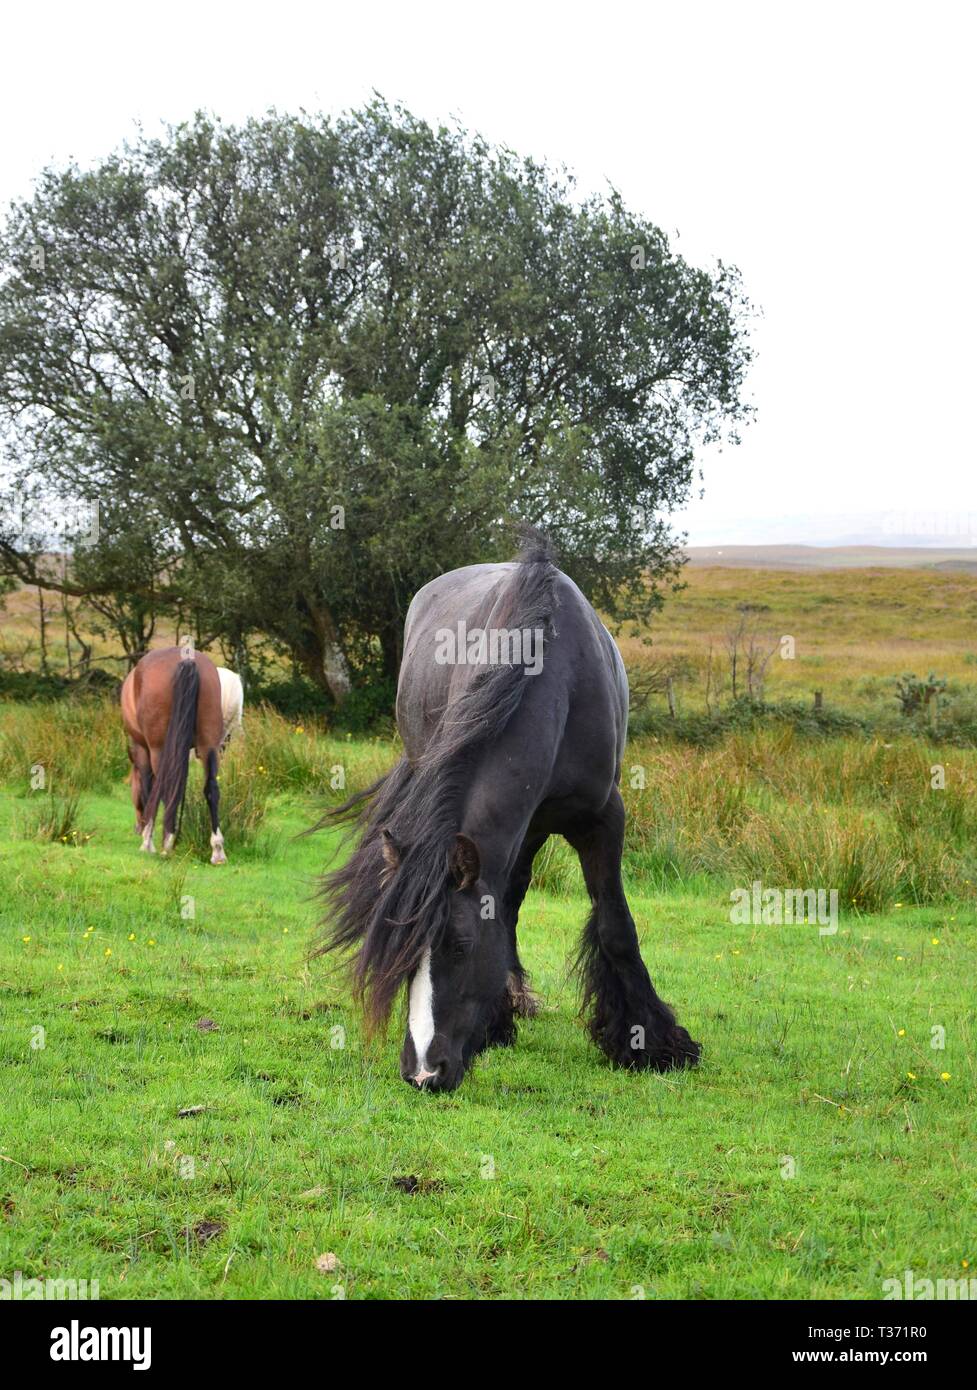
301, 755
54, 818
850, 853
878, 822
78, 743
556, 869
243, 807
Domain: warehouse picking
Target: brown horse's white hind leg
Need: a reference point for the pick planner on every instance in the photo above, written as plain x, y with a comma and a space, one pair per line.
212, 794
149, 820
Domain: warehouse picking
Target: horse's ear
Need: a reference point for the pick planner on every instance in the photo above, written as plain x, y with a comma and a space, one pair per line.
391, 855
466, 863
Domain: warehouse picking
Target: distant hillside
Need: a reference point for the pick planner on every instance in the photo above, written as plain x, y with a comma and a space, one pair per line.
855, 630
817, 557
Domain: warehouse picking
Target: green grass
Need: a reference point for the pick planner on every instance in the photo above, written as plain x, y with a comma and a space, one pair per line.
547, 1175
858, 814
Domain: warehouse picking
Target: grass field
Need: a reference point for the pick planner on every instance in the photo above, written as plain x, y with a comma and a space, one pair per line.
824, 1145
854, 630
163, 986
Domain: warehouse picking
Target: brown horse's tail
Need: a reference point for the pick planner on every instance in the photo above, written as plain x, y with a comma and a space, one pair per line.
170, 782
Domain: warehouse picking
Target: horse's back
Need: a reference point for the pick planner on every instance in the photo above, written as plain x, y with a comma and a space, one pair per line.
456, 594
581, 690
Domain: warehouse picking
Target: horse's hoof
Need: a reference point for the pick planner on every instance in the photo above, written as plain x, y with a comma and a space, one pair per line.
218, 857
669, 1051
525, 1004
682, 1051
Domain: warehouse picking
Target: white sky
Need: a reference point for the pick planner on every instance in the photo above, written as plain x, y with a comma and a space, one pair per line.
827, 149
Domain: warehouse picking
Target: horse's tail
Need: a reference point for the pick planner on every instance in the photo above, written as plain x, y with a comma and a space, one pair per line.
170, 781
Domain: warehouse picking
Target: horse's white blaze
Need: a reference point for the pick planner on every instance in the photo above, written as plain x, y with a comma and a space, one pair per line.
420, 1019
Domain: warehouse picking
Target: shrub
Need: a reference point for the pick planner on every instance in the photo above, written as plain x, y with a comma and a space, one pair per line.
292, 696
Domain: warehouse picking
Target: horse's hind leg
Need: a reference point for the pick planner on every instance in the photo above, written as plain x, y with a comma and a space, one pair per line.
525, 1004
170, 813
212, 794
140, 780
148, 826
628, 1021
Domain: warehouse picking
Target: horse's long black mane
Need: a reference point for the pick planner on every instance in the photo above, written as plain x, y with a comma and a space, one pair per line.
393, 916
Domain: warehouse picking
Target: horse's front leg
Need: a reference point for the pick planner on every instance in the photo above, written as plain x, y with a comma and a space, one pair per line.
525, 1003
627, 1020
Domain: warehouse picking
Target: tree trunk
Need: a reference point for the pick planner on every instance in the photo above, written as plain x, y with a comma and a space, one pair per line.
325, 669
318, 651
319, 655
43, 630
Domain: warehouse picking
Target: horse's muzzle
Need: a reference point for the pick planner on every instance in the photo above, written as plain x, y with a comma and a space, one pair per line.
435, 1076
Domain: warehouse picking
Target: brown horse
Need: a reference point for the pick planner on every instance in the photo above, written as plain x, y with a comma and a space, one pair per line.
171, 704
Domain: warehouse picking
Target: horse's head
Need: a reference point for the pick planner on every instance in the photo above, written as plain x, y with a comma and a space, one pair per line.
458, 996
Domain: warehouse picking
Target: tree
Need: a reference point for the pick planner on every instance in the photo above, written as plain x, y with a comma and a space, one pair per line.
332, 358
748, 652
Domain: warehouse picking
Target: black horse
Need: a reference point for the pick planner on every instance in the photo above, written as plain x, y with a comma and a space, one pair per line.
512, 706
